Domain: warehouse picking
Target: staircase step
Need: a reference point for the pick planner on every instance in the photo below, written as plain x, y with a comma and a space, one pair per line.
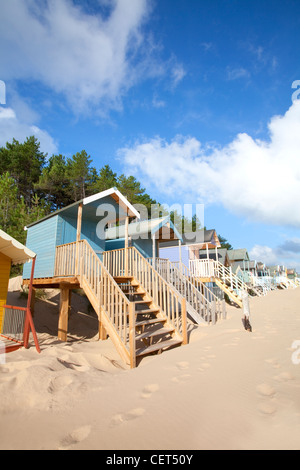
122, 279
158, 346
150, 322
139, 302
150, 310
157, 332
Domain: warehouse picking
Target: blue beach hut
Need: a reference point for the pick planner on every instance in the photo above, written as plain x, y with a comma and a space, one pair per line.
84, 220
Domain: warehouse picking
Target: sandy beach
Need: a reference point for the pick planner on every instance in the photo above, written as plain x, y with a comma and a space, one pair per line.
227, 389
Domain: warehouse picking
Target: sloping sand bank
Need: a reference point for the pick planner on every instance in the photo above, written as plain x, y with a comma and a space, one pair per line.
227, 389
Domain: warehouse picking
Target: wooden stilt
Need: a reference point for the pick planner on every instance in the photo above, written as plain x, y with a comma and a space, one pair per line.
63, 313
102, 332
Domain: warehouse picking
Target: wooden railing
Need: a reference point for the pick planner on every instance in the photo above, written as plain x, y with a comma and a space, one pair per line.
115, 311
202, 268
201, 301
210, 269
129, 262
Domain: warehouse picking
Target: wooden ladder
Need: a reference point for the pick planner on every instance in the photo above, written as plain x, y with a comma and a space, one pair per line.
153, 332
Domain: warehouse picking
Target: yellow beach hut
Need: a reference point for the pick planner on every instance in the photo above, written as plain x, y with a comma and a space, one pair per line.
15, 322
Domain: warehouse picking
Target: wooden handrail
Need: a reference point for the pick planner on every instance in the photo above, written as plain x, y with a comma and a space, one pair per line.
212, 268
130, 262
109, 301
201, 301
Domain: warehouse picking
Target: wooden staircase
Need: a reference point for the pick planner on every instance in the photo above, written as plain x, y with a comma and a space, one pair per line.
223, 277
154, 333
140, 312
202, 305
229, 291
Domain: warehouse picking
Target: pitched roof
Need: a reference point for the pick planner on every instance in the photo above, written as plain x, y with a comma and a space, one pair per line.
163, 228
14, 250
199, 237
238, 254
124, 204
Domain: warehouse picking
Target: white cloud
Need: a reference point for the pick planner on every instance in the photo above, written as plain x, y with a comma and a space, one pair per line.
92, 59
236, 73
265, 254
13, 127
257, 179
287, 254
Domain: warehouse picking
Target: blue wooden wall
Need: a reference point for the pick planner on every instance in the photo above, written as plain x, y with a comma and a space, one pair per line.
41, 239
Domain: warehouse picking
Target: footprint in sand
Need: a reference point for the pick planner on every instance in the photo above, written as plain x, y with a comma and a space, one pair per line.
121, 418
265, 390
59, 383
76, 436
267, 408
182, 365
149, 389
204, 366
284, 377
181, 378
273, 362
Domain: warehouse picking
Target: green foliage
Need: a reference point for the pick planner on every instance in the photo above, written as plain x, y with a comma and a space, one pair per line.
24, 163
78, 172
32, 186
54, 183
224, 243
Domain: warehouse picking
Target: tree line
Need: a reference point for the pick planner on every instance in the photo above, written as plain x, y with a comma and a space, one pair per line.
33, 185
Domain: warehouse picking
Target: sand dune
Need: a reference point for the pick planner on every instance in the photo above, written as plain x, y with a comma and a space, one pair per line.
227, 389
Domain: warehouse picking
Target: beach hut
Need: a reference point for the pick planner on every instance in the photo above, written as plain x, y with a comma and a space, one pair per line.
15, 322
124, 289
146, 236
190, 247
86, 219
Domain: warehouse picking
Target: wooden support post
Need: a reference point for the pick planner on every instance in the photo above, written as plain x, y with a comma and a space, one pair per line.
32, 302
29, 299
79, 223
102, 331
180, 257
184, 321
126, 245
132, 342
78, 237
63, 312
153, 251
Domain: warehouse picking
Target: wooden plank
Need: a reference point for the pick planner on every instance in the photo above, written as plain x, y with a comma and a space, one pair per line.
158, 347
151, 322
157, 332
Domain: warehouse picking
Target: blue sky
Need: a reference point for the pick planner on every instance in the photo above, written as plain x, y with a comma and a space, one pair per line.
194, 98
